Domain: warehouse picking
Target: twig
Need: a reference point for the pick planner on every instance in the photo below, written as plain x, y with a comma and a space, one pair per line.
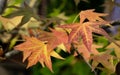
86, 62
75, 18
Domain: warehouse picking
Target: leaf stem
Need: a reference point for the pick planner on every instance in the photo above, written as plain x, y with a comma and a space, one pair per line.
75, 18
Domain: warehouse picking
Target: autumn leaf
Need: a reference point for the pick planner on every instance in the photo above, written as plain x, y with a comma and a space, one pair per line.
84, 52
91, 15
85, 31
35, 51
62, 36
44, 36
115, 47
5, 21
54, 38
105, 59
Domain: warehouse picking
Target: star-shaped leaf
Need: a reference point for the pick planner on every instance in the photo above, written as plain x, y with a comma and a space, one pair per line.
91, 15
84, 31
35, 51
105, 59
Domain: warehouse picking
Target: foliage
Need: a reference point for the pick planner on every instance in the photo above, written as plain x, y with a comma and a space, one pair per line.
46, 37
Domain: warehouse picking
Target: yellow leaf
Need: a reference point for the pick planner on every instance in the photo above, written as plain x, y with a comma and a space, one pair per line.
116, 48
56, 55
61, 46
105, 59
10, 23
35, 51
16, 20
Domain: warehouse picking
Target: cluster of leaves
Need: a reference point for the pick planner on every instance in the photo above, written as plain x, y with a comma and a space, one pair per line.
40, 47
75, 38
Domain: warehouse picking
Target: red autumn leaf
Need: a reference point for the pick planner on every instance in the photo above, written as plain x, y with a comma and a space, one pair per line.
90, 15
55, 38
62, 36
84, 31
35, 51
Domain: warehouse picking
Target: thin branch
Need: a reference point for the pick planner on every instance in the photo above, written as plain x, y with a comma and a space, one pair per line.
75, 18
86, 62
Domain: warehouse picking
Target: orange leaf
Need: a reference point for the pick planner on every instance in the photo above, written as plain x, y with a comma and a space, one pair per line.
85, 53
55, 38
84, 31
90, 15
36, 51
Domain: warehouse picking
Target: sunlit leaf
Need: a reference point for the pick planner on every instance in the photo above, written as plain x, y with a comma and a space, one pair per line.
85, 53
84, 31
55, 38
91, 15
116, 48
35, 51
5, 21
